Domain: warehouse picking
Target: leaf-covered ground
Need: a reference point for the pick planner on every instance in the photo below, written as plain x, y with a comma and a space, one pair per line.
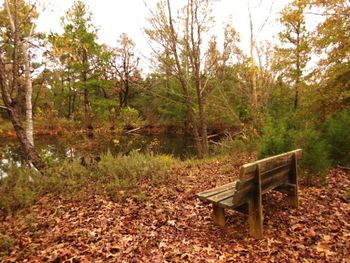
173, 226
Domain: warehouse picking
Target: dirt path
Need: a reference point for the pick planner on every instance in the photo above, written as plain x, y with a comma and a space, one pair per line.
173, 226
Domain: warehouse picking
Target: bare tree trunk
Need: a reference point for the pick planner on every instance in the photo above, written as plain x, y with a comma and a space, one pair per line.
195, 61
87, 117
15, 33
184, 85
70, 96
297, 81
69, 104
254, 86
10, 94
126, 94
29, 151
203, 123
28, 96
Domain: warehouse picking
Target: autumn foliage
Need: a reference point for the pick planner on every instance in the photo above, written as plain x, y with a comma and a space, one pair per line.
171, 225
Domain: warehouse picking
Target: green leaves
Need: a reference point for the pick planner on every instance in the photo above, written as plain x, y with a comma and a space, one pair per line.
294, 52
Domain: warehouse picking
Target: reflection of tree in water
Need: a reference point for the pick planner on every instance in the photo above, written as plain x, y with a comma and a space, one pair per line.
9, 155
54, 150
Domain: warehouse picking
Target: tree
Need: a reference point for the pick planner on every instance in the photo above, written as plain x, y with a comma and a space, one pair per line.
18, 29
78, 53
180, 52
332, 43
125, 64
253, 66
295, 51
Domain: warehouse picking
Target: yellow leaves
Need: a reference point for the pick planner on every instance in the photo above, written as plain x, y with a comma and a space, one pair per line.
324, 248
127, 238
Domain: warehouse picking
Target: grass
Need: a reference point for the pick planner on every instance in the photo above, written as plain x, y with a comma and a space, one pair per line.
116, 176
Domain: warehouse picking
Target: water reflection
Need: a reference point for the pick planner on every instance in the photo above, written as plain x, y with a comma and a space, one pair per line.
8, 157
55, 149
4, 163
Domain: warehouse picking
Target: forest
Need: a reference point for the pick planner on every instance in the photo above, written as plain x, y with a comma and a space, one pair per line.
101, 154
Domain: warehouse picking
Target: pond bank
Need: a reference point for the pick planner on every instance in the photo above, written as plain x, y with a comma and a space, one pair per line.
169, 224
63, 127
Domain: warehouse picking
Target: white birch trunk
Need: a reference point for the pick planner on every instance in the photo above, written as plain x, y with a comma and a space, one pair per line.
29, 126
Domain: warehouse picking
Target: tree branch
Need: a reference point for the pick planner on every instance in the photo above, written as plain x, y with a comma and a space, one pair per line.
4, 107
12, 23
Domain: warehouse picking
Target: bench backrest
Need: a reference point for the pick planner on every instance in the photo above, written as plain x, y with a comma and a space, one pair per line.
273, 172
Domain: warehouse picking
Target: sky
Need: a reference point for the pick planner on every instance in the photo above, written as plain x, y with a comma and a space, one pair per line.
114, 17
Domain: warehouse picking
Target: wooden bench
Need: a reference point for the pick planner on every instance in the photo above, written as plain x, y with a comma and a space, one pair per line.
278, 172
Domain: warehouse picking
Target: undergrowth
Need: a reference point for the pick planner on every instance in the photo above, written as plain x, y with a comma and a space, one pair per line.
116, 176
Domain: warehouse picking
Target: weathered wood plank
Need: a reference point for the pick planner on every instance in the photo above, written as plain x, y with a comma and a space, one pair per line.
268, 163
244, 190
228, 203
222, 196
217, 190
274, 181
286, 167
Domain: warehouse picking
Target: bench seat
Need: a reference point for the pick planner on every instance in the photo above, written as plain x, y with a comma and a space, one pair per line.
222, 195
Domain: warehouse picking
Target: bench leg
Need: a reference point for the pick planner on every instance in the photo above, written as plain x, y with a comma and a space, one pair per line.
255, 209
219, 215
293, 198
255, 217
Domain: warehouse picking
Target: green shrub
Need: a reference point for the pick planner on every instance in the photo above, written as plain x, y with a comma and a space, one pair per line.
18, 190
118, 176
315, 161
286, 135
277, 138
130, 117
337, 134
134, 167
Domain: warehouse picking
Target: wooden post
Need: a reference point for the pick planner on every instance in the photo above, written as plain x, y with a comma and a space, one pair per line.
255, 208
219, 215
293, 198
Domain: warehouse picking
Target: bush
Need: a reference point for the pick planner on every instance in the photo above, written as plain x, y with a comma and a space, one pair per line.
277, 138
283, 136
115, 175
18, 190
65, 179
315, 161
125, 172
130, 118
337, 134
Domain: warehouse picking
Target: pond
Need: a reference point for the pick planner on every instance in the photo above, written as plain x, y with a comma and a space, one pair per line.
59, 148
